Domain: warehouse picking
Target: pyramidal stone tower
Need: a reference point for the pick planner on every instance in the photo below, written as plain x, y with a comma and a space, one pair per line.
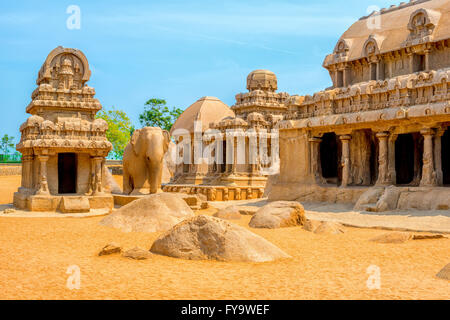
63, 145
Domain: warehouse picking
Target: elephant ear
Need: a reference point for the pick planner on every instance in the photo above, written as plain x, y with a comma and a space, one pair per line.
166, 135
136, 142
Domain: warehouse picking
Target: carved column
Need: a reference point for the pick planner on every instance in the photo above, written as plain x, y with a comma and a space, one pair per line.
315, 159
345, 76
380, 69
411, 62
438, 157
192, 165
392, 176
427, 60
97, 176
390, 63
219, 153
229, 158
43, 184
27, 172
233, 166
383, 176
345, 159
428, 173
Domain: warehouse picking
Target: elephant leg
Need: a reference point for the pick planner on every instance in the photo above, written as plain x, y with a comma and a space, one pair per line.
127, 186
141, 185
155, 177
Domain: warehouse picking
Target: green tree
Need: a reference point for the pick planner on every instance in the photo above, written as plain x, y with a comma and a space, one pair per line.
158, 114
119, 129
6, 144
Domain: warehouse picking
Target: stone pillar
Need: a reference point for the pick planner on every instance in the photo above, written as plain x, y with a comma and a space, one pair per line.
427, 60
43, 184
346, 76
192, 165
97, 176
315, 159
438, 157
411, 62
378, 69
218, 152
391, 62
230, 152
233, 166
392, 176
345, 160
27, 172
428, 173
383, 176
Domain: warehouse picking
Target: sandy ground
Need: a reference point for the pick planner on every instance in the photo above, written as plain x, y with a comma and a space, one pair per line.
35, 254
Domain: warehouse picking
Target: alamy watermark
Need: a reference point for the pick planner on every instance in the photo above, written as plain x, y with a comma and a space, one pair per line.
74, 279
374, 20
231, 147
73, 22
374, 280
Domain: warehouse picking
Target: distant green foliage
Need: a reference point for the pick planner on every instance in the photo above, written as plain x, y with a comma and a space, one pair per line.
6, 144
158, 114
119, 129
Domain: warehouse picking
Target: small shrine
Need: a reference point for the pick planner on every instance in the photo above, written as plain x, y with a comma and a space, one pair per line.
63, 145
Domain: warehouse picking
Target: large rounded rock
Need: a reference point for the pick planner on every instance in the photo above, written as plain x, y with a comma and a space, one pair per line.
156, 212
279, 214
205, 237
229, 213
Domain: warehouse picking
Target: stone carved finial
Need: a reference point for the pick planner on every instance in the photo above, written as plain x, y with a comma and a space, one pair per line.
263, 80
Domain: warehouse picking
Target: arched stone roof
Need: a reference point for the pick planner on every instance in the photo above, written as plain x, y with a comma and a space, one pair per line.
393, 29
206, 110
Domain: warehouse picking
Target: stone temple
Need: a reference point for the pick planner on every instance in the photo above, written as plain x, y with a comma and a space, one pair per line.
63, 145
249, 123
379, 137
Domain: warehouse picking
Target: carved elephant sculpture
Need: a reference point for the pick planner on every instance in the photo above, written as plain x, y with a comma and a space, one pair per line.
143, 161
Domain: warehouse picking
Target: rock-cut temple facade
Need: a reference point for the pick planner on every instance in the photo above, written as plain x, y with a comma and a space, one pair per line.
62, 143
379, 137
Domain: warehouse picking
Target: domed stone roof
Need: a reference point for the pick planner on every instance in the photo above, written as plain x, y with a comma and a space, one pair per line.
397, 26
206, 110
264, 80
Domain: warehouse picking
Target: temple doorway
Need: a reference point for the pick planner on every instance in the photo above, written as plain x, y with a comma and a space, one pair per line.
329, 157
404, 158
446, 157
67, 173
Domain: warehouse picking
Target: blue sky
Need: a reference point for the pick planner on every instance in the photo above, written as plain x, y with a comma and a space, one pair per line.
177, 50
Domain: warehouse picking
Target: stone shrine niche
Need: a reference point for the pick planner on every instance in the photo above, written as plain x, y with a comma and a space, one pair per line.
342, 48
421, 25
65, 70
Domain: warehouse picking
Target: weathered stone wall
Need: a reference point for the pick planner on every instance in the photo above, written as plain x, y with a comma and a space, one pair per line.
83, 172
295, 153
10, 170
